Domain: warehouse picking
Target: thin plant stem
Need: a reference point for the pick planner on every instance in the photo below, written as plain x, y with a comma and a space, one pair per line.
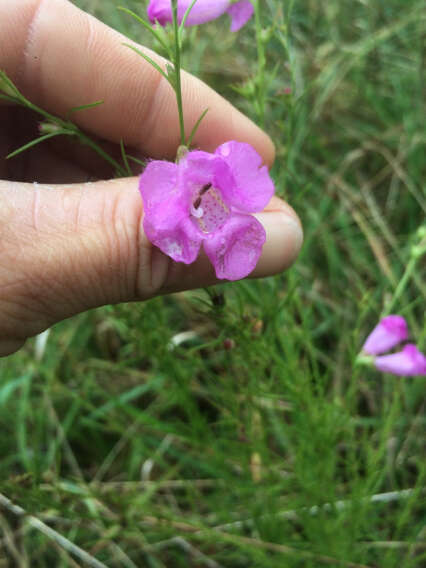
65, 127
406, 277
261, 64
409, 269
89, 142
176, 64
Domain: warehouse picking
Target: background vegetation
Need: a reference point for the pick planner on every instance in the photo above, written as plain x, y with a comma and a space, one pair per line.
219, 450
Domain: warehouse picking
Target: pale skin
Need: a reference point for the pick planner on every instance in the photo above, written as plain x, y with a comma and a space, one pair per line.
67, 245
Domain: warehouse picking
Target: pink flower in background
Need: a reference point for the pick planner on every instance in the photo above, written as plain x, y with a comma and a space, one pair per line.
390, 331
207, 199
160, 11
408, 362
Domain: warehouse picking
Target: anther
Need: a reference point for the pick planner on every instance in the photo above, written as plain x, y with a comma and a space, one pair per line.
205, 188
202, 191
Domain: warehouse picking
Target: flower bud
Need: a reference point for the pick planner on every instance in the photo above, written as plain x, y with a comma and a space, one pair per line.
228, 344
266, 34
48, 128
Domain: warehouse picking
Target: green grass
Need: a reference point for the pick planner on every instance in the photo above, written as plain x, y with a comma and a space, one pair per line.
147, 455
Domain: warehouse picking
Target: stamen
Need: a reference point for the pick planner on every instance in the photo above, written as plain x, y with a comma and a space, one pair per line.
208, 209
202, 191
205, 188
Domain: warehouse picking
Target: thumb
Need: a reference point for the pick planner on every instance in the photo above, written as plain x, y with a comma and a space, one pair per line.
65, 249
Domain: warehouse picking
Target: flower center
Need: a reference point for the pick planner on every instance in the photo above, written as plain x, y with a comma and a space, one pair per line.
208, 209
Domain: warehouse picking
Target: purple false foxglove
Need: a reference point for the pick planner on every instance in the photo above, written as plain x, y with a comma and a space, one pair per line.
207, 199
408, 362
160, 11
390, 331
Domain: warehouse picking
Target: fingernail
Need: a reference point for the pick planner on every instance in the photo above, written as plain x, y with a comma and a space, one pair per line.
284, 238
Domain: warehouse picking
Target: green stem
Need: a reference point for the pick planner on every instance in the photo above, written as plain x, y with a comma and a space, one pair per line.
176, 64
89, 142
261, 63
409, 269
406, 277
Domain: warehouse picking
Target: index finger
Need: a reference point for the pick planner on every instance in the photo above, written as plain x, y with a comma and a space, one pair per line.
61, 57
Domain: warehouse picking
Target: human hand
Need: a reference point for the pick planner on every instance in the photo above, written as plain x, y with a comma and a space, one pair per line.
69, 247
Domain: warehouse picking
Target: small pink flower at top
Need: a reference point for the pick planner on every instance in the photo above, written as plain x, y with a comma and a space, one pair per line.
390, 331
208, 199
160, 11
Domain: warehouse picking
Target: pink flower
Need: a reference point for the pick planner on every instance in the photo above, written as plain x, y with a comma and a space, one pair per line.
390, 331
208, 199
410, 361
203, 11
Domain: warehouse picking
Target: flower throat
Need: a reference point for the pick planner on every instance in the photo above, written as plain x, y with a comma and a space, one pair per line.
209, 210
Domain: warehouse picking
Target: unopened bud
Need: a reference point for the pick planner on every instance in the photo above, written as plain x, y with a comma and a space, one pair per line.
266, 34
228, 344
48, 128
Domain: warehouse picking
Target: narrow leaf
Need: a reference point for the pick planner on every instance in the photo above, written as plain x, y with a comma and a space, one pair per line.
185, 16
8, 389
145, 25
137, 161
37, 141
89, 142
196, 125
84, 107
147, 58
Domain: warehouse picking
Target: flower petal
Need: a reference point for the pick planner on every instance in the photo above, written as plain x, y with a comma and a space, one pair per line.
182, 244
200, 168
390, 331
165, 199
160, 11
166, 204
203, 11
253, 186
235, 250
408, 362
240, 14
